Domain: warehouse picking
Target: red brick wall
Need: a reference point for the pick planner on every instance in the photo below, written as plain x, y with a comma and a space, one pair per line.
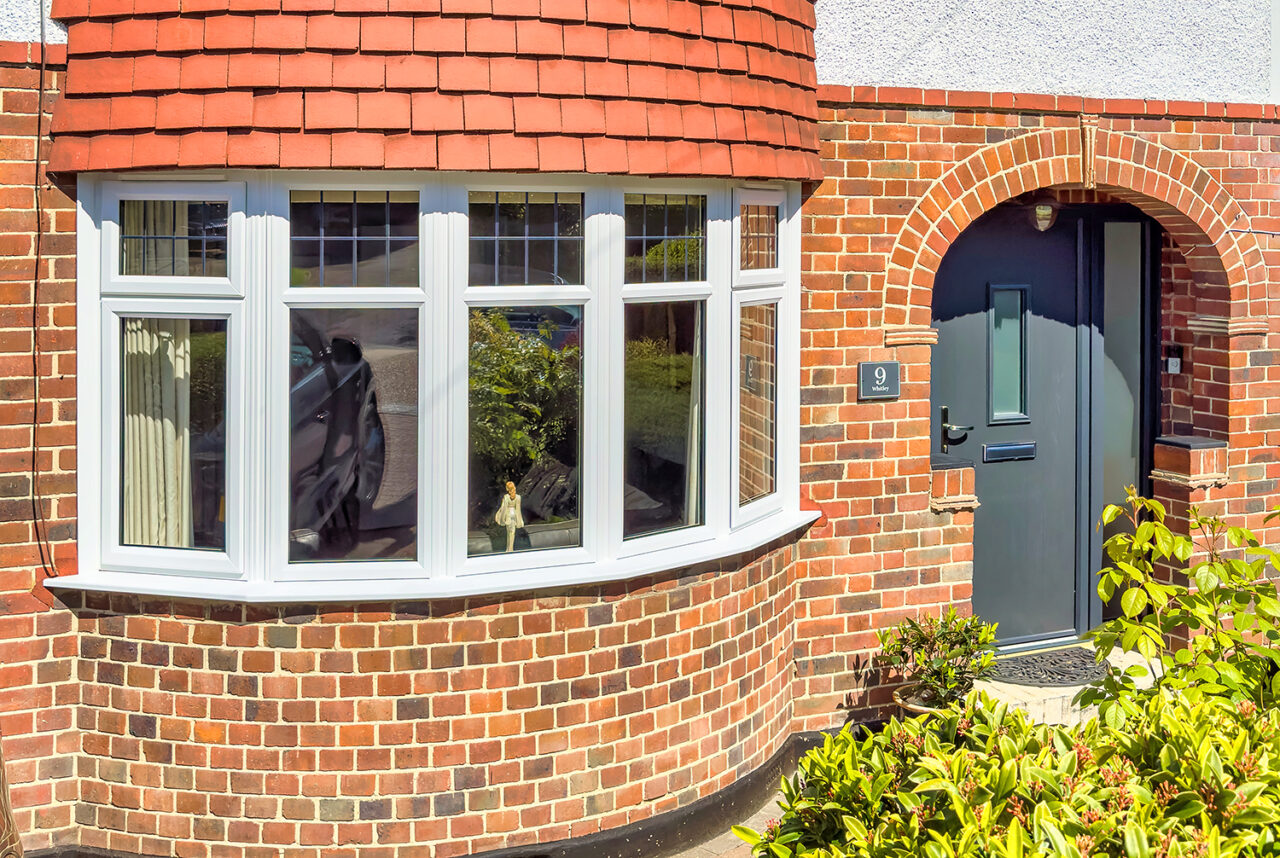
466, 725
1177, 306
906, 171
37, 458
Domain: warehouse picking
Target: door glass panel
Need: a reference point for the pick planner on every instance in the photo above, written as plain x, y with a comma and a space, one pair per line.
663, 414
353, 451
1122, 358
174, 390
1008, 353
525, 436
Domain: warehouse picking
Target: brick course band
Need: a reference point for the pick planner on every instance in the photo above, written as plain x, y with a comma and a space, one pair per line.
893, 96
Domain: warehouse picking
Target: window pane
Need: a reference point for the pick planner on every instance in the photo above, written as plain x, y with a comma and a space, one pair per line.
163, 238
538, 238
524, 437
759, 237
350, 238
758, 402
353, 451
1006, 353
666, 238
663, 413
174, 394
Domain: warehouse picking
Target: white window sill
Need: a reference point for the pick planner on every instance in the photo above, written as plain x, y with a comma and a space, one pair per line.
396, 589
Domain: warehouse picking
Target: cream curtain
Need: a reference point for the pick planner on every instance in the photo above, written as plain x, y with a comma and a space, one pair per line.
157, 433
168, 252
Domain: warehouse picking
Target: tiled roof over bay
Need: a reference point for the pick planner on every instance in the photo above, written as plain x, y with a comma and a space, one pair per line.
646, 87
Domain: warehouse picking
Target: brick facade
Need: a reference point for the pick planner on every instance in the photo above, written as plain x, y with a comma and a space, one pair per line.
38, 690
451, 727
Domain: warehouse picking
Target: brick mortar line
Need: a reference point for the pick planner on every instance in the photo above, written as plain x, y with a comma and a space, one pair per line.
1153, 108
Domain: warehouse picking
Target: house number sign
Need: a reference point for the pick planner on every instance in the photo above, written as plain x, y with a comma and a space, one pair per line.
879, 380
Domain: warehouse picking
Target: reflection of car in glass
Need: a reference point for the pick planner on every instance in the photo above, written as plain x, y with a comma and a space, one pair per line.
336, 448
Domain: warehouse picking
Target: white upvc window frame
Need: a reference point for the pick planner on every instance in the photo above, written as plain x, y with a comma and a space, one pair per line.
713, 292
229, 562
116, 283
256, 299
769, 286
283, 297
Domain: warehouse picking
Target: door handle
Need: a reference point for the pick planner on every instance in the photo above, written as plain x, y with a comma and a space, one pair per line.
949, 427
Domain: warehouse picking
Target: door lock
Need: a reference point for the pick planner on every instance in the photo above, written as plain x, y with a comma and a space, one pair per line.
944, 436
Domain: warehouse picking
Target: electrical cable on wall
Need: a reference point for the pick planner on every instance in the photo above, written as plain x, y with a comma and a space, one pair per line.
39, 523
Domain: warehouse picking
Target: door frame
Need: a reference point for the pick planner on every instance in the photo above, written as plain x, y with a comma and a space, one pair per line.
1090, 341
1088, 220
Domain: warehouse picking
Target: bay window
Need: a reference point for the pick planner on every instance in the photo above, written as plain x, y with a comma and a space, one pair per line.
322, 386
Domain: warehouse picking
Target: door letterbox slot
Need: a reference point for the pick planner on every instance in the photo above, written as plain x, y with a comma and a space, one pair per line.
1014, 452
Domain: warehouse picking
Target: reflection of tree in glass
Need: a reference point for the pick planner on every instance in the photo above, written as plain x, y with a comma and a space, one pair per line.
523, 395
208, 374
683, 261
658, 397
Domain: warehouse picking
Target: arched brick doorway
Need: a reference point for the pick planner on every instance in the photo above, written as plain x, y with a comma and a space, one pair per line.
1211, 273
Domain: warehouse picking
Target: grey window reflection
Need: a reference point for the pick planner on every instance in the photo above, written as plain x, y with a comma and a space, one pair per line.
666, 238
1008, 377
353, 238
353, 448
173, 478
525, 239
525, 439
173, 238
663, 415
757, 401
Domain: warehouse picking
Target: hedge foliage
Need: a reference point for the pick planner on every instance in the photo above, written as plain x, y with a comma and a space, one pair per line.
1188, 765
1185, 779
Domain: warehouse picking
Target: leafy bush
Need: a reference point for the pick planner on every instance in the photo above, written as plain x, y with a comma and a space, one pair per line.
1185, 779
942, 656
1232, 614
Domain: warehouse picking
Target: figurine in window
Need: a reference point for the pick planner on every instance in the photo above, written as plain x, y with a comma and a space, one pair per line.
509, 515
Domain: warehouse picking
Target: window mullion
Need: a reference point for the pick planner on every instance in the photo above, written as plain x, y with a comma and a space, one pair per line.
720, 423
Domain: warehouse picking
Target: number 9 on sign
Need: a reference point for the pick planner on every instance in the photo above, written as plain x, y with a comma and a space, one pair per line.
879, 380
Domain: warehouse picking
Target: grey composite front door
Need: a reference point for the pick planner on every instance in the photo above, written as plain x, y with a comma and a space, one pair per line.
1008, 304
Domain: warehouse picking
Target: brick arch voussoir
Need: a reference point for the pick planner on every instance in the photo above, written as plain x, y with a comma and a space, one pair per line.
1177, 192
1190, 204
977, 184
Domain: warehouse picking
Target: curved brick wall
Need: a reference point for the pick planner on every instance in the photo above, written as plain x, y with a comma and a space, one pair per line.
651, 87
465, 725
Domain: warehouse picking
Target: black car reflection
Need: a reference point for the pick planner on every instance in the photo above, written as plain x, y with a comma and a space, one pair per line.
337, 449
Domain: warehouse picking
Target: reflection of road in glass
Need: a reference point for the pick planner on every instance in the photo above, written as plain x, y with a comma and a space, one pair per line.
389, 524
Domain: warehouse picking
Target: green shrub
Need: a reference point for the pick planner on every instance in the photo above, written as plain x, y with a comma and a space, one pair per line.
1232, 613
942, 656
1184, 779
